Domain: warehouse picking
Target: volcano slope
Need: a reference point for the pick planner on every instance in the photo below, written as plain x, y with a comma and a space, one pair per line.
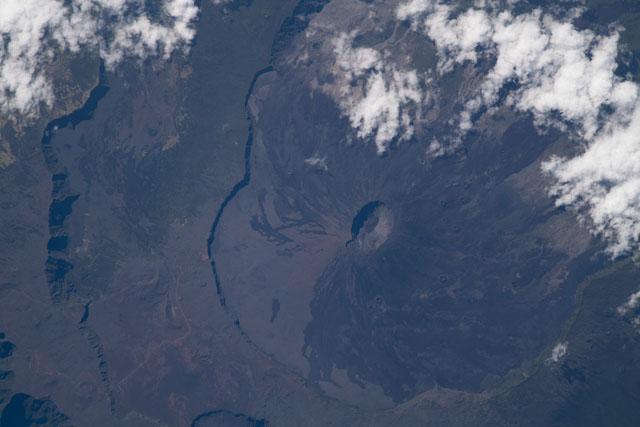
459, 274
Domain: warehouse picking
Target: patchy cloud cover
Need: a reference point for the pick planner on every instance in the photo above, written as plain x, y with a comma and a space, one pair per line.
556, 67
565, 77
34, 31
379, 99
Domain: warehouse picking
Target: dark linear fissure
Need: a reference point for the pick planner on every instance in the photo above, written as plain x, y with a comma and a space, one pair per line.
296, 23
246, 179
57, 264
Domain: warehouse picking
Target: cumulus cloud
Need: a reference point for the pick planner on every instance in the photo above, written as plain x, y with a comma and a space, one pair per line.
456, 39
556, 69
564, 77
35, 31
559, 351
631, 304
379, 99
603, 183
317, 162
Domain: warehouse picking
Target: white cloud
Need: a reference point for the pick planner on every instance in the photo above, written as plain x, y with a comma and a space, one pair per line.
34, 31
562, 76
456, 39
413, 8
379, 99
559, 70
317, 162
559, 351
603, 183
631, 304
